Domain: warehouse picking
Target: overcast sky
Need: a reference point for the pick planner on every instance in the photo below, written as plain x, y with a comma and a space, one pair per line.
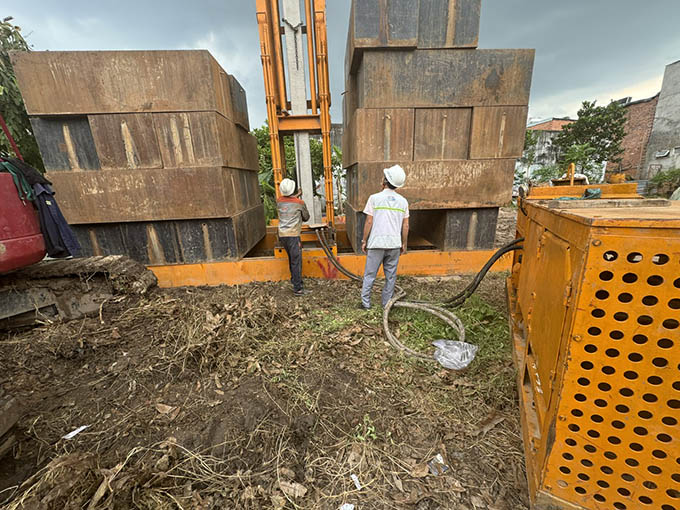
585, 49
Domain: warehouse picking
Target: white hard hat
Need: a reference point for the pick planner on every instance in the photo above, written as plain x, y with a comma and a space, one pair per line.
395, 175
287, 187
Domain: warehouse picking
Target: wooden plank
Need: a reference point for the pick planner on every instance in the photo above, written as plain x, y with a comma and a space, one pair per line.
88, 82
438, 184
457, 229
125, 140
444, 78
127, 195
65, 143
441, 133
379, 135
498, 132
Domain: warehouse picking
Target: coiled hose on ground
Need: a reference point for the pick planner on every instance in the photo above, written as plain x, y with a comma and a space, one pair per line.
435, 309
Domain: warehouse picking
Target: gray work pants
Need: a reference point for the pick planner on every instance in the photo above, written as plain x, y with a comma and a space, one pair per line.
389, 260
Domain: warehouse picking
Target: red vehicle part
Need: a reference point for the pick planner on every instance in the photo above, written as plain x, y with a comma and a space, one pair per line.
21, 243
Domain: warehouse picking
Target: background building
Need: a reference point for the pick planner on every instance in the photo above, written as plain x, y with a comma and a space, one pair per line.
639, 122
663, 149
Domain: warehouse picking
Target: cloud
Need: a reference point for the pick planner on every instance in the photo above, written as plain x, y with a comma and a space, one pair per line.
234, 57
600, 49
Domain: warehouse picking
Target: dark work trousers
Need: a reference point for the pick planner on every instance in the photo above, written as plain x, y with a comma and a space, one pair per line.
293, 247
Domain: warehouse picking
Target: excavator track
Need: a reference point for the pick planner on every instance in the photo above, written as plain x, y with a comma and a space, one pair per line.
68, 289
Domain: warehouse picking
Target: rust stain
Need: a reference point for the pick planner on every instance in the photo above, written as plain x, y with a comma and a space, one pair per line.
70, 148
128, 144
327, 269
206, 242
154, 248
451, 25
93, 241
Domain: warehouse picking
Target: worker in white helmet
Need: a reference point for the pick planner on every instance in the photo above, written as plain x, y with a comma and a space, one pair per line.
292, 212
385, 234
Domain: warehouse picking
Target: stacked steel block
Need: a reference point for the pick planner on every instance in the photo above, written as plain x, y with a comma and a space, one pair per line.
149, 152
419, 94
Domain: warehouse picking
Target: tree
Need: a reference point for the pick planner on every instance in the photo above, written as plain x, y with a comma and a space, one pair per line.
528, 157
582, 156
266, 173
665, 183
11, 102
601, 127
545, 173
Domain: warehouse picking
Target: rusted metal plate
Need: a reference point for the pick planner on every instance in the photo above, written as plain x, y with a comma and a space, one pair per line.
384, 134
438, 184
449, 23
444, 78
441, 133
88, 82
176, 242
125, 140
457, 229
448, 230
65, 143
127, 195
498, 132
239, 104
410, 24
147, 140
204, 139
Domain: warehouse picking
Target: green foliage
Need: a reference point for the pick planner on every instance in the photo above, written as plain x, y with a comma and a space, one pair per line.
545, 173
583, 157
266, 173
528, 156
11, 102
530, 141
664, 183
366, 430
602, 127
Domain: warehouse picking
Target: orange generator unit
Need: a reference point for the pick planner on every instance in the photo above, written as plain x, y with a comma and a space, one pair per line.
594, 298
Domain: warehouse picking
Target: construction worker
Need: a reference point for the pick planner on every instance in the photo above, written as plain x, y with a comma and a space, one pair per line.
292, 212
385, 234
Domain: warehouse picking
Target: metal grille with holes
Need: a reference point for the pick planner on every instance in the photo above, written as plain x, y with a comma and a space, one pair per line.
611, 438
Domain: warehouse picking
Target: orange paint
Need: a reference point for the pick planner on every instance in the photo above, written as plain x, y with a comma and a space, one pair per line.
316, 265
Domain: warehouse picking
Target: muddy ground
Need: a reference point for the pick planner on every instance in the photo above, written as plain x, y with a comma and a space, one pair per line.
246, 397
505, 228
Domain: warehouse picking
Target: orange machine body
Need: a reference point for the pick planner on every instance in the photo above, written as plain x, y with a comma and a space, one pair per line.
595, 313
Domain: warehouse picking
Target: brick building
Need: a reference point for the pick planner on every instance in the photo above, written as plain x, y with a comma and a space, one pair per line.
553, 124
639, 122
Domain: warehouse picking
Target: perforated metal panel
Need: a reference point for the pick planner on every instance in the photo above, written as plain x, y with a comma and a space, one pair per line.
611, 437
617, 430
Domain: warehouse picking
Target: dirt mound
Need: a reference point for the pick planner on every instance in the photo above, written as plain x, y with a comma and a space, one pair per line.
245, 397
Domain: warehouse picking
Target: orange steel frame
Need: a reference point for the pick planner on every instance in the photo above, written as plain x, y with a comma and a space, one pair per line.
316, 265
281, 122
594, 298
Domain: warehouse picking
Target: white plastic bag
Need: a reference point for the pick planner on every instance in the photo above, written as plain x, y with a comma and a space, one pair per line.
454, 354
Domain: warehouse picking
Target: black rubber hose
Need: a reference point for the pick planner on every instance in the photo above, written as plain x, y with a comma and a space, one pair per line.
462, 296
